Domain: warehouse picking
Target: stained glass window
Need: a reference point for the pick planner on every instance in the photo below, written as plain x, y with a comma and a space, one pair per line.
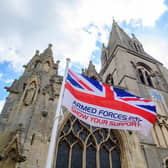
84, 146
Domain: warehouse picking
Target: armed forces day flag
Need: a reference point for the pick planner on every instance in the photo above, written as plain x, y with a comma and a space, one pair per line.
101, 105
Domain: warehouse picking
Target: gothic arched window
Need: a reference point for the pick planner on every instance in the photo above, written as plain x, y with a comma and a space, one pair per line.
148, 78
144, 74
141, 76
80, 145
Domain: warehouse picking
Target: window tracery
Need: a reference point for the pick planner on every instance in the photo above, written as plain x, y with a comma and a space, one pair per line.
141, 76
81, 145
144, 74
148, 77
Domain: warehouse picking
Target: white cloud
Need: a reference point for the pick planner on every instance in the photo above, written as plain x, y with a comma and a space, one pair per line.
62, 23
2, 102
8, 81
20, 8
100, 12
9, 50
79, 45
156, 47
1, 75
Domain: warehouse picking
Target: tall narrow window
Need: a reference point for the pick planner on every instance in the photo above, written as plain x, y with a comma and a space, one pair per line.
139, 48
148, 79
104, 157
63, 154
80, 144
144, 72
135, 47
76, 157
142, 79
91, 157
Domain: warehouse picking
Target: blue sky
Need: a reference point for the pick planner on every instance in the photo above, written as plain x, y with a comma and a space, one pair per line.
77, 29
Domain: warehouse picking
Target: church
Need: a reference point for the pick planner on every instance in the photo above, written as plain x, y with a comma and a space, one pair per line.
27, 117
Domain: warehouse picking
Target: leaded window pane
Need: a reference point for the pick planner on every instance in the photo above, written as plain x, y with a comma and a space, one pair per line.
99, 136
66, 127
104, 158
76, 160
90, 157
77, 126
115, 159
141, 76
62, 155
84, 134
71, 138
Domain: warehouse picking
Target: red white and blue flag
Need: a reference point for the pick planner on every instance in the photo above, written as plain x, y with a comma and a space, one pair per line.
101, 105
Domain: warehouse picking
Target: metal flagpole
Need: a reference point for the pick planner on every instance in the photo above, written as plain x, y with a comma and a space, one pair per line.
56, 118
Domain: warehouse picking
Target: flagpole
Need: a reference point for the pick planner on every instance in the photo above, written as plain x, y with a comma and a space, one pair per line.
56, 119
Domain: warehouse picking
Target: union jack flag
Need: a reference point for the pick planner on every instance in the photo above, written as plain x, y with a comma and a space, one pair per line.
102, 105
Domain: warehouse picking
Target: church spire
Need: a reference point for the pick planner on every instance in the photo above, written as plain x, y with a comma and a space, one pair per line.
91, 71
118, 37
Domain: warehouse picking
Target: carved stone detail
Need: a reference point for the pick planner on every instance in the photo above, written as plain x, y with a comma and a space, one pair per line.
14, 88
30, 93
53, 88
160, 80
162, 120
44, 113
56, 66
91, 72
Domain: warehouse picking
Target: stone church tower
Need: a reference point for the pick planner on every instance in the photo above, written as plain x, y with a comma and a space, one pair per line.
27, 117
